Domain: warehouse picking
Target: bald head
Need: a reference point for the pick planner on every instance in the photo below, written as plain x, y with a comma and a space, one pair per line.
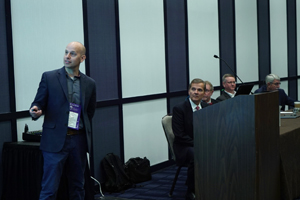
80, 47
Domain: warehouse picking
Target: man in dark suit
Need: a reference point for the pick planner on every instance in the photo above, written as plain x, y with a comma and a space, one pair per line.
67, 98
273, 83
182, 125
209, 90
229, 84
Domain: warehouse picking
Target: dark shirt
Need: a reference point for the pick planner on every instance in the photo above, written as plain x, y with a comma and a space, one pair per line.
283, 98
74, 93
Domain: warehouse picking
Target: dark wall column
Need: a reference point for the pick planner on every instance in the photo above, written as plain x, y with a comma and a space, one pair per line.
227, 36
292, 49
264, 60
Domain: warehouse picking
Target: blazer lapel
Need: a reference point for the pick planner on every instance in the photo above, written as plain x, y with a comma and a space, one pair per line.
61, 75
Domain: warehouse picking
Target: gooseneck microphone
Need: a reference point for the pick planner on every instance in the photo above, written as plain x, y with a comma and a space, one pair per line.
215, 56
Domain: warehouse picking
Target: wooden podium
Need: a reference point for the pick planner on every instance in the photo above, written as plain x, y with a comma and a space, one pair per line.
237, 149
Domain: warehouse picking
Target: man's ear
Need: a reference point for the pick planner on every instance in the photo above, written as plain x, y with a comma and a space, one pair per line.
83, 57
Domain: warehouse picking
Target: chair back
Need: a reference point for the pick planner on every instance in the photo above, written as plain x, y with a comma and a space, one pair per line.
167, 126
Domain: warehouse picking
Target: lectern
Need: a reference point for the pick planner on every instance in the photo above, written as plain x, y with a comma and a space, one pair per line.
237, 149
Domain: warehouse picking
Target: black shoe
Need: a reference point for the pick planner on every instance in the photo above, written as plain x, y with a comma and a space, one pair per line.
190, 196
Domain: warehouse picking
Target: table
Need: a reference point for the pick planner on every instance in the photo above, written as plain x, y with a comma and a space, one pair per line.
23, 170
290, 158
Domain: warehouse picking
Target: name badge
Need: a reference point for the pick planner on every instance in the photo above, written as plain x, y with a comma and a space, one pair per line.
74, 116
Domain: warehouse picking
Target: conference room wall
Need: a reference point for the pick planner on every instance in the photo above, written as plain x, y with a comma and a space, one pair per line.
107, 126
246, 36
143, 134
177, 59
297, 7
278, 28
4, 79
109, 66
5, 104
203, 35
41, 47
142, 47
298, 81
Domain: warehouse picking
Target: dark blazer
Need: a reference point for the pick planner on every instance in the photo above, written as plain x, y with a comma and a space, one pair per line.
213, 101
52, 99
223, 97
284, 99
182, 125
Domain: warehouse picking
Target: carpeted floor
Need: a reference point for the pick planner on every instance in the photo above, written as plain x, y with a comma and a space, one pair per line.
156, 189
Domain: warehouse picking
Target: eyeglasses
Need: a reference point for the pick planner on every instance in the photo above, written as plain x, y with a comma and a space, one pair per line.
276, 84
231, 82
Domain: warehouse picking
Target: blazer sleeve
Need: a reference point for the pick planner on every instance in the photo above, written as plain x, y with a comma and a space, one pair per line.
92, 103
40, 99
288, 100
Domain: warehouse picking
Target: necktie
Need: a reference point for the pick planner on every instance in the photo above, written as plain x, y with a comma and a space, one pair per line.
197, 108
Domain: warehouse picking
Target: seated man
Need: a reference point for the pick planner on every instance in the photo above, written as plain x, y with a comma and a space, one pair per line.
273, 83
182, 125
209, 90
229, 84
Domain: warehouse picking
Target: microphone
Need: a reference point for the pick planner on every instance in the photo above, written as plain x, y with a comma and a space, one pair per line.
215, 56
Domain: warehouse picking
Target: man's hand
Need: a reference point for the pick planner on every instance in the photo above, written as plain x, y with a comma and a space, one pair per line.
35, 112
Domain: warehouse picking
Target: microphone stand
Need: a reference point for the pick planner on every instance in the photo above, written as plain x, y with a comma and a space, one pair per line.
215, 56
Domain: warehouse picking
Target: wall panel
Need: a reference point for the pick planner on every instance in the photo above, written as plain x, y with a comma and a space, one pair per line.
103, 49
143, 132
106, 136
142, 47
246, 40
298, 36
278, 27
227, 37
263, 39
176, 45
203, 40
4, 77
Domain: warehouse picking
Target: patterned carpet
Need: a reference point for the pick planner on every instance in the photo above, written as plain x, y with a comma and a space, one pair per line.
156, 189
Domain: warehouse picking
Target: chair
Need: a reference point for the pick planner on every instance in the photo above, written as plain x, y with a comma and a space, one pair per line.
167, 126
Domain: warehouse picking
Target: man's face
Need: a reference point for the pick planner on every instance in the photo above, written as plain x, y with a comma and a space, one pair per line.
73, 56
274, 85
229, 84
196, 92
208, 93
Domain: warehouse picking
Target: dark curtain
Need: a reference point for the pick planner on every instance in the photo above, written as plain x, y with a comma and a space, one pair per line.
23, 170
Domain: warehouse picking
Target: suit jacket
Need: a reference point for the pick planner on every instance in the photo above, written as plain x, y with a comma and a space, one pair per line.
213, 101
284, 99
223, 97
52, 99
182, 125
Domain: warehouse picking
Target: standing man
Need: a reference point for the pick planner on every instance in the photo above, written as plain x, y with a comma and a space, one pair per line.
273, 83
67, 98
209, 90
229, 85
182, 125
